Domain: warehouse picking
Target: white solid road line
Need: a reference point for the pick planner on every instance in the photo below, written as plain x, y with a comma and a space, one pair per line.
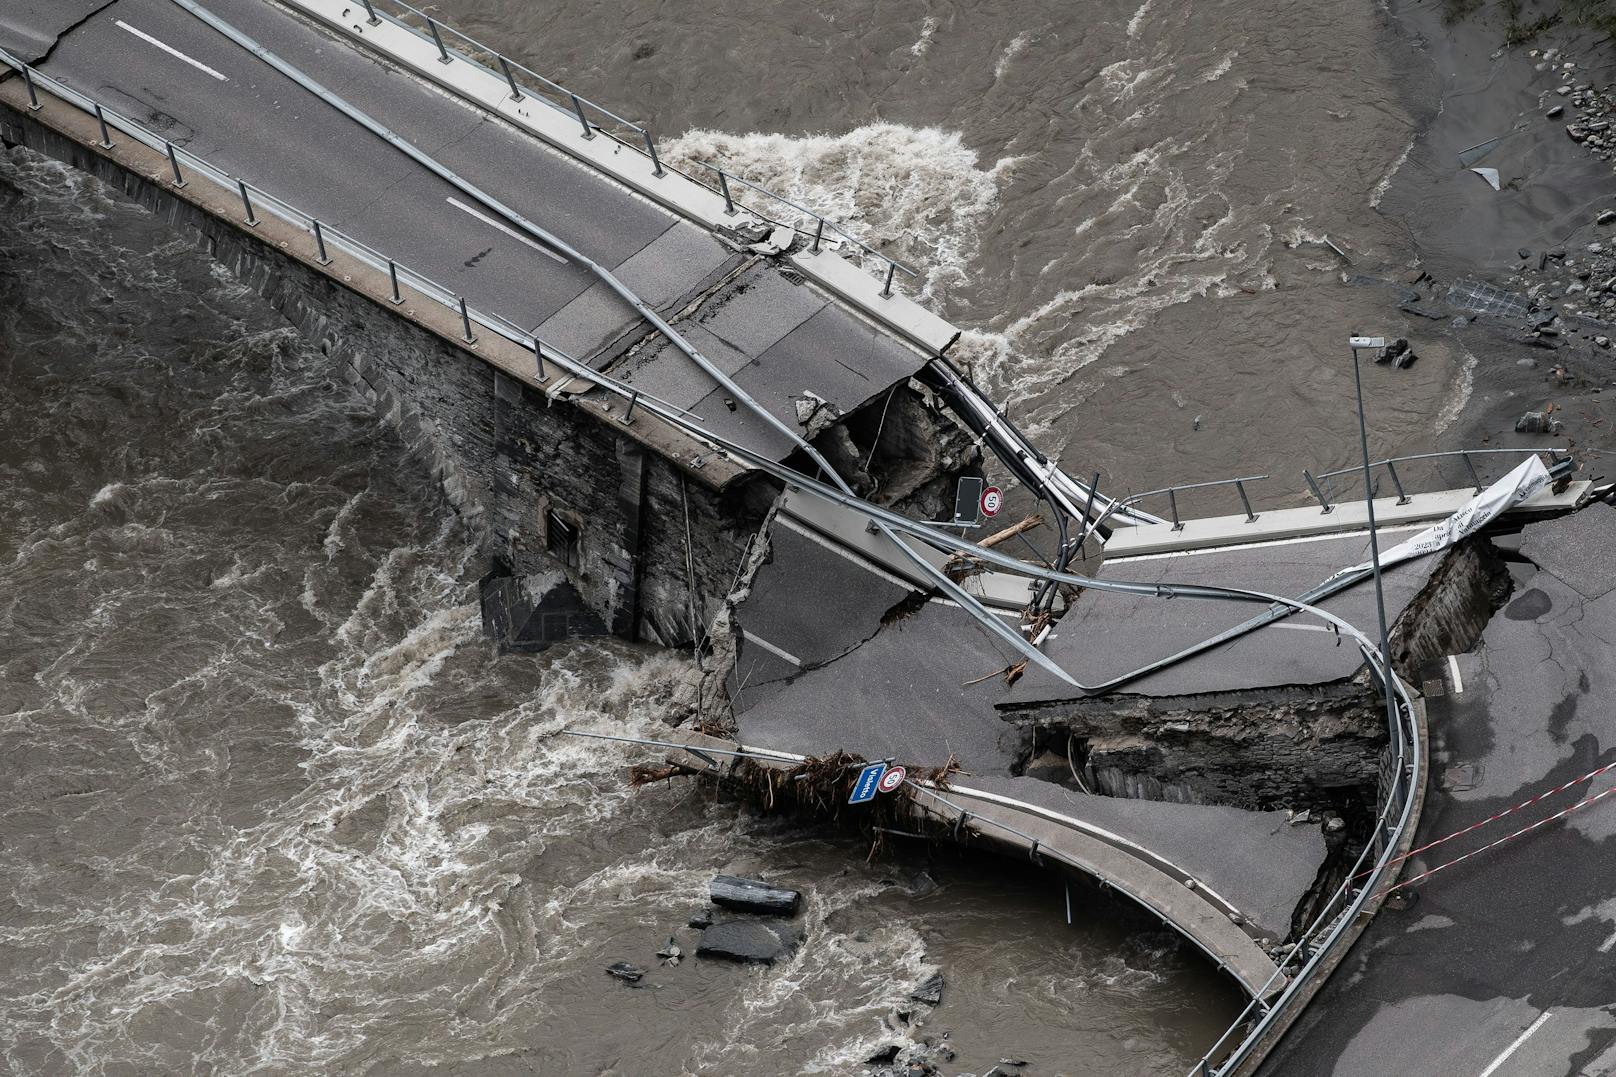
1458, 681
772, 649
513, 233
1516, 1046
172, 51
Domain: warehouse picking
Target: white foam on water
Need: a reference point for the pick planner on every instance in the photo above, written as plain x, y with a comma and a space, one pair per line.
916, 194
1385, 182
1018, 44
1221, 68
1137, 23
928, 27
1464, 384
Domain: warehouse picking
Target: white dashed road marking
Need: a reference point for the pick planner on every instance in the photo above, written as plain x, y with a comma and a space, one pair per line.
1516, 1046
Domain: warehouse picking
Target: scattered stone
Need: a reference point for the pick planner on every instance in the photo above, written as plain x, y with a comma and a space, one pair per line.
1538, 422
923, 885
1399, 353
752, 895
884, 1057
1563, 91
1556, 111
751, 941
1524, 253
930, 990
671, 954
1603, 342
622, 970
702, 920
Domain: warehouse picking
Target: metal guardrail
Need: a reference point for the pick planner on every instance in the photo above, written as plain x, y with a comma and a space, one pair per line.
1172, 493
1304, 955
1303, 958
597, 119
1322, 486
324, 239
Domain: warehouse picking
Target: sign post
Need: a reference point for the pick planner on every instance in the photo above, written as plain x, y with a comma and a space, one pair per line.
992, 501
865, 787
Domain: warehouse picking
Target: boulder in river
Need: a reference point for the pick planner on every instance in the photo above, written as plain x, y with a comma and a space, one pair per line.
752, 941
751, 895
930, 990
622, 970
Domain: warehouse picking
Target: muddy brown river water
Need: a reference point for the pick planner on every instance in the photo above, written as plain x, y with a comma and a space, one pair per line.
268, 803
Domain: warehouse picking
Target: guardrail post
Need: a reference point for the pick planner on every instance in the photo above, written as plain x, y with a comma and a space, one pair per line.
578, 107
538, 353
1202, 1070
650, 147
516, 93
443, 53
106, 136
1402, 497
819, 233
33, 95
1474, 478
1172, 507
371, 12
1311, 485
319, 243
633, 399
392, 273
1240, 488
174, 163
252, 222
465, 320
886, 289
723, 184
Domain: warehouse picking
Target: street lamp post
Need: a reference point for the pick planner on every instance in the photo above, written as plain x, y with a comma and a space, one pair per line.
1356, 343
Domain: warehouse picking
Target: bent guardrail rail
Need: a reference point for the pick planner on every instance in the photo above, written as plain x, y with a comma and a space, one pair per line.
1296, 968
595, 118
1321, 486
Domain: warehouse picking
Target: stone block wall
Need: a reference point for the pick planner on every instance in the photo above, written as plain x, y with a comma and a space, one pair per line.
509, 459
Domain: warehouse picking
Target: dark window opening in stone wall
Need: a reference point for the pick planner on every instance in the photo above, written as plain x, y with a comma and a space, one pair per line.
561, 539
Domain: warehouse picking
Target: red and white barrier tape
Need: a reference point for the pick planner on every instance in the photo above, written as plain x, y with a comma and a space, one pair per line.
1561, 814
1592, 774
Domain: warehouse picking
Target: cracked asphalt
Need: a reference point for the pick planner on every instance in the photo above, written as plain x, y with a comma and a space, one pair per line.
1504, 965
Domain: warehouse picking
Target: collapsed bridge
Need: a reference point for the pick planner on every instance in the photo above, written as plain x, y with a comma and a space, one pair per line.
679, 410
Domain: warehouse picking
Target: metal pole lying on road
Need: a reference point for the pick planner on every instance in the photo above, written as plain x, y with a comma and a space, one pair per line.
1374, 541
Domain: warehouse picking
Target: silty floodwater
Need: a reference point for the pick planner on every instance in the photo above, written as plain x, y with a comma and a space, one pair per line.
1123, 203
269, 804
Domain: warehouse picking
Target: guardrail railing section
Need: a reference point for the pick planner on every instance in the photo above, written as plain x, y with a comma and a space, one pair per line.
1330, 488
186, 167
1295, 965
595, 119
